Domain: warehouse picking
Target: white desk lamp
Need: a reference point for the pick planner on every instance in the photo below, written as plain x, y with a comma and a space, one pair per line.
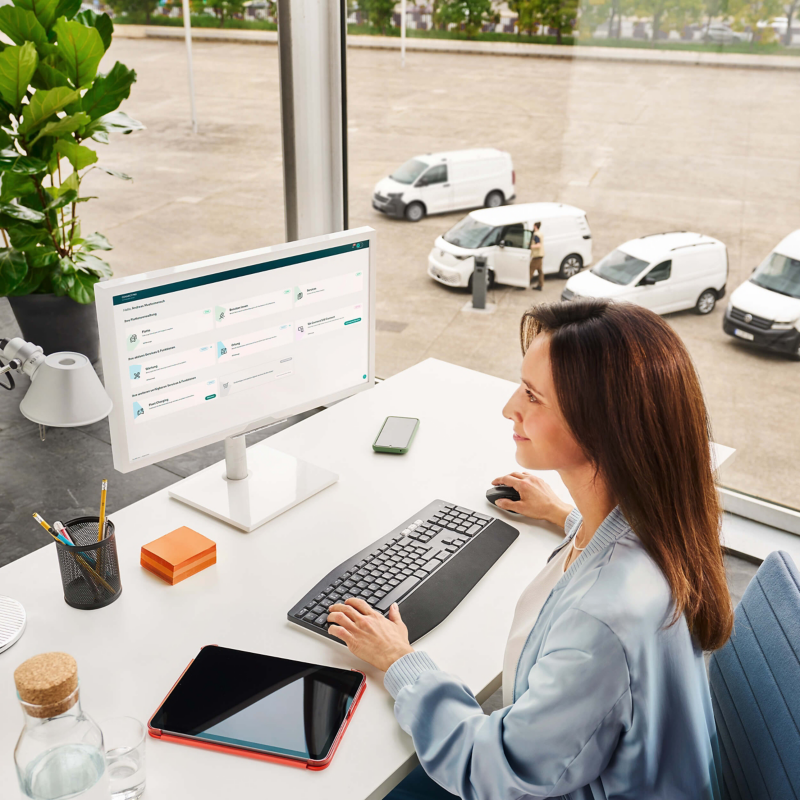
65, 392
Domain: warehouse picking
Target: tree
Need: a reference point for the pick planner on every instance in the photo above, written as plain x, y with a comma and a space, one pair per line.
528, 16
472, 14
560, 15
751, 12
790, 12
714, 8
145, 7
223, 9
378, 13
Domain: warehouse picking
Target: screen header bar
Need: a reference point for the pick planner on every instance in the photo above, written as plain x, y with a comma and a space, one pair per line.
239, 272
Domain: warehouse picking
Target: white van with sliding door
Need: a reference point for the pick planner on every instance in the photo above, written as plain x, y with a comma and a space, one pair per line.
503, 237
664, 272
440, 182
765, 309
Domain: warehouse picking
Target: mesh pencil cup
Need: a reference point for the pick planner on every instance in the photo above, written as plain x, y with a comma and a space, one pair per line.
90, 569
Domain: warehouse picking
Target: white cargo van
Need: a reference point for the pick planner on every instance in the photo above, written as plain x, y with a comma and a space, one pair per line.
439, 182
765, 309
663, 272
503, 236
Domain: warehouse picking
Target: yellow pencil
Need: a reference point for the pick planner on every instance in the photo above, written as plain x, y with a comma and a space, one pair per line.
81, 560
102, 523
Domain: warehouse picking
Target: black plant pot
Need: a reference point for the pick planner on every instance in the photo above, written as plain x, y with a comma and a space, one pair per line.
57, 323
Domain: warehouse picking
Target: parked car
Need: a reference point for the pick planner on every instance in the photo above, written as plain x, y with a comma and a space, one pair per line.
440, 182
664, 272
720, 33
765, 309
503, 236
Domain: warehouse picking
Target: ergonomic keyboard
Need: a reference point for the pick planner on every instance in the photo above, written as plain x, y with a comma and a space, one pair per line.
427, 565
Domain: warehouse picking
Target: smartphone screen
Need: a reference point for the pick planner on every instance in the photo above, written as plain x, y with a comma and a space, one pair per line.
396, 432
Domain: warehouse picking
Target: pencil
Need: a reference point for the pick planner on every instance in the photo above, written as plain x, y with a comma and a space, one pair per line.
102, 521
80, 559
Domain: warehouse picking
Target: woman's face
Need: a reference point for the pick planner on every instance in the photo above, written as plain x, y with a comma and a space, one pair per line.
540, 432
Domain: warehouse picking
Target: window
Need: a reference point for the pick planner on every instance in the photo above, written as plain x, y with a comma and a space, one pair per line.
619, 267
780, 274
517, 236
409, 172
470, 233
660, 272
437, 174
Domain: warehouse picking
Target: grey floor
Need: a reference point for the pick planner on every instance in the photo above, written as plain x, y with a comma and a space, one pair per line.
60, 478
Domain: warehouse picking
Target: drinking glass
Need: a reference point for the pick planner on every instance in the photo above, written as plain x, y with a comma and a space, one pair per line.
124, 739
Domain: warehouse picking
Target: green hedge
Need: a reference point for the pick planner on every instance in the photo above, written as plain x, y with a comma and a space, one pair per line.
207, 21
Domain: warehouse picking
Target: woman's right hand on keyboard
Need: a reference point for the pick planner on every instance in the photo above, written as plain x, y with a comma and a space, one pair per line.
537, 500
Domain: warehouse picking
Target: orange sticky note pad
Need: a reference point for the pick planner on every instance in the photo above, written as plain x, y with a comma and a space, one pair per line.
178, 555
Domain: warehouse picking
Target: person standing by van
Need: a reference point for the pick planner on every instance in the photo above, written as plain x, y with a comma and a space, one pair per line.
537, 255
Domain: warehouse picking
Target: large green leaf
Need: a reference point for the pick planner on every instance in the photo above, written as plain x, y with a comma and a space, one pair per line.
12, 161
5, 140
102, 22
48, 77
22, 213
31, 282
43, 10
86, 262
13, 186
115, 173
63, 199
78, 155
108, 91
95, 241
81, 49
68, 8
82, 290
22, 26
61, 126
17, 65
13, 268
27, 237
44, 104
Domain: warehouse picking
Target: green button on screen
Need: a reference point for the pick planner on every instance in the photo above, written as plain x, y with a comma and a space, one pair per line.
210, 396
351, 321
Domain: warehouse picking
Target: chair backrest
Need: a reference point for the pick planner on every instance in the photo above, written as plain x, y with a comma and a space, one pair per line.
755, 688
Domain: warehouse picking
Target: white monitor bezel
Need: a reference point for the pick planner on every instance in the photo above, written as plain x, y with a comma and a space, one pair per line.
105, 291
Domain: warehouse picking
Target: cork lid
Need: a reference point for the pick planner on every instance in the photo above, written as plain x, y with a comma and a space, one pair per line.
48, 682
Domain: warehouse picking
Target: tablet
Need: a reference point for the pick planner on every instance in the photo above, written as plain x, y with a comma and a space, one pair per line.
260, 706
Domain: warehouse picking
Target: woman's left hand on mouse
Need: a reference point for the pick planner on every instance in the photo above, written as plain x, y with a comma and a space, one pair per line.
378, 640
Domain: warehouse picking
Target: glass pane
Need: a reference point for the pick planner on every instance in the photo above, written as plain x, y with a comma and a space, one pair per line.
619, 267
409, 172
436, 174
470, 233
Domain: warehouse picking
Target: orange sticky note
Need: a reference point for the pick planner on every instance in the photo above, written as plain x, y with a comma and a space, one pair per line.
178, 555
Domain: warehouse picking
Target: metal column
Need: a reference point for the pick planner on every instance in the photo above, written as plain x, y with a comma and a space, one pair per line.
312, 47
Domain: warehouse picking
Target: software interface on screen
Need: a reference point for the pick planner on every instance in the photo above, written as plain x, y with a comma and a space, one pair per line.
202, 354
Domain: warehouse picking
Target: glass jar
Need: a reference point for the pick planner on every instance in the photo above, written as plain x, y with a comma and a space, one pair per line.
60, 752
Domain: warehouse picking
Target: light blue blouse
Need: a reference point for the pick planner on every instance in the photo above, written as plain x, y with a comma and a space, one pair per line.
609, 702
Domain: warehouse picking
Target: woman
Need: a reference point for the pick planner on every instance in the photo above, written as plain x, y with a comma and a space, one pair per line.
604, 681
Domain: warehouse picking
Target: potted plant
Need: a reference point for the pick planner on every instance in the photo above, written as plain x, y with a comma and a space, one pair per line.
53, 103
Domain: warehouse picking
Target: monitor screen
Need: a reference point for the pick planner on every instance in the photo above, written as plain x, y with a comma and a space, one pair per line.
196, 353
260, 703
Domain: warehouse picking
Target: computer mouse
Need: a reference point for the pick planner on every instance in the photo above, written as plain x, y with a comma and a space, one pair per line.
502, 492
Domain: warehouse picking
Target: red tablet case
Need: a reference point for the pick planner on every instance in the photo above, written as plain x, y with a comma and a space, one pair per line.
240, 751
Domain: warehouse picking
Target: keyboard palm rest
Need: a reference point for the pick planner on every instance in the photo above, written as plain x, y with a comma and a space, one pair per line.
427, 565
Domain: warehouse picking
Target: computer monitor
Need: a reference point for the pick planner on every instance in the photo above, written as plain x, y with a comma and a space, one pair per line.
210, 350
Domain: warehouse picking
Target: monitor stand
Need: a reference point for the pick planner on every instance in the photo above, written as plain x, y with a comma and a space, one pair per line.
252, 486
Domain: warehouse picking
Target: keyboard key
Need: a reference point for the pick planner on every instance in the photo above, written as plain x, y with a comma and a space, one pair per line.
338, 582
318, 609
399, 591
327, 603
431, 565
373, 586
348, 584
380, 594
473, 530
451, 549
420, 574
301, 613
373, 599
320, 596
310, 617
321, 619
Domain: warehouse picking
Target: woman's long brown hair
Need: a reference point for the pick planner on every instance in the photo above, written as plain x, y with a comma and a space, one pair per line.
628, 390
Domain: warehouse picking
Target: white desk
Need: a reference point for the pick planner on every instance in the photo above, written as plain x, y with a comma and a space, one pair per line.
130, 653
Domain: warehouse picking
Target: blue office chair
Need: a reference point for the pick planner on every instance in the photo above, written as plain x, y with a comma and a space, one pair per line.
755, 688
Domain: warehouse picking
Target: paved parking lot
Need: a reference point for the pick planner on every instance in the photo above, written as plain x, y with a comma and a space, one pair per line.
642, 148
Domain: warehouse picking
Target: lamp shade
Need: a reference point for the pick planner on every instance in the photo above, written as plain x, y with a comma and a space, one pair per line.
65, 392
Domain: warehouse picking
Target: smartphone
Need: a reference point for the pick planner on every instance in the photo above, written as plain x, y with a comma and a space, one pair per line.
396, 435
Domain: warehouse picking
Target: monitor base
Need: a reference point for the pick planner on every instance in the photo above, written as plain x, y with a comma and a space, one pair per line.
275, 483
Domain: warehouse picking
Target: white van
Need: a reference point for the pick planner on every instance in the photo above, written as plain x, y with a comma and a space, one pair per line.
765, 309
439, 182
503, 236
663, 272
